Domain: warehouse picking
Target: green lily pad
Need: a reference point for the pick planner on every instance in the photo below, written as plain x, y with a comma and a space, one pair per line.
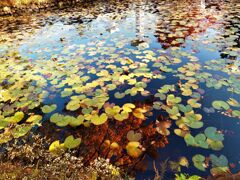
66, 92
220, 105
3, 124
49, 108
198, 141
220, 161
215, 145
157, 105
122, 116
18, 116
211, 133
119, 95
171, 100
34, 119
59, 120
193, 103
236, 113
72, 143
198, 161
87, 110
189, 139
184, 109
77, 121
56, 147
161, 96
112, 111
73, 105
128, 107
21, 130
172, 111
98, 120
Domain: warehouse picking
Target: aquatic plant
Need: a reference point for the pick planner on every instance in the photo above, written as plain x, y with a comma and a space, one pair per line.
103, 98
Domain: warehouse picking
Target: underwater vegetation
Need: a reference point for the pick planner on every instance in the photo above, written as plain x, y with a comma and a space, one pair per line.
143, 89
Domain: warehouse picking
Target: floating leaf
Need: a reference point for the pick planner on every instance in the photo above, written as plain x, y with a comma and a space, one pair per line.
198, 161
219, 171
66, 92
233, 102
173, 111
183, 161
211, 133
34, 119
161, 96
98, 120
3, 124
236, 113
198, 141
49, 108
138, 113
132, 136
21, 130
72, 143
114, 146
77, 121
220, 105
171, 100
215, 145
59, 120
87, 110
184, 177
73, 105
119, 95
122, 116
56, 147
133, 149
128, 107
112, 111
189, 139
193, 103
184, 109
220, 161
18, 116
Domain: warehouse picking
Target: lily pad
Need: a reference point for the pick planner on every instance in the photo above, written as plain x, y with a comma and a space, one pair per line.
133, 149
73, 105
220, 161
132, 136
220, 105
198, 161
98, 120
72, 143
119, 95
49, 108
236, 113
56, 147
211, 133
34, 119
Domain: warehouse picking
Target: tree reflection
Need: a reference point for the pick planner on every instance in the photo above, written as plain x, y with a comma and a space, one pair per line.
176, 23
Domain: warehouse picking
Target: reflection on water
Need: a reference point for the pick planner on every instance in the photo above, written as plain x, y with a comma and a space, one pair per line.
193, 45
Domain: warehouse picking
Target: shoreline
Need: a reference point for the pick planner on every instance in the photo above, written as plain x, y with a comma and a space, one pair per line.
13, 10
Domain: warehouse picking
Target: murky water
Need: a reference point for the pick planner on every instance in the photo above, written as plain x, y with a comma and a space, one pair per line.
127, 52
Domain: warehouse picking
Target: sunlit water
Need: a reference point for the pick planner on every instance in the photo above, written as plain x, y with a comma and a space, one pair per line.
108, 31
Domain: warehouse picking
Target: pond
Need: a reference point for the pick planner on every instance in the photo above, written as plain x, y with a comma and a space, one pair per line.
145, 84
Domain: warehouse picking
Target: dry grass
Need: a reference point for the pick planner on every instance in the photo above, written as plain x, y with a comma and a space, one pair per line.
26, 2
19, 3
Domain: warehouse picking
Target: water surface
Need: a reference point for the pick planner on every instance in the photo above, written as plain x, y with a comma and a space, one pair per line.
102, 50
